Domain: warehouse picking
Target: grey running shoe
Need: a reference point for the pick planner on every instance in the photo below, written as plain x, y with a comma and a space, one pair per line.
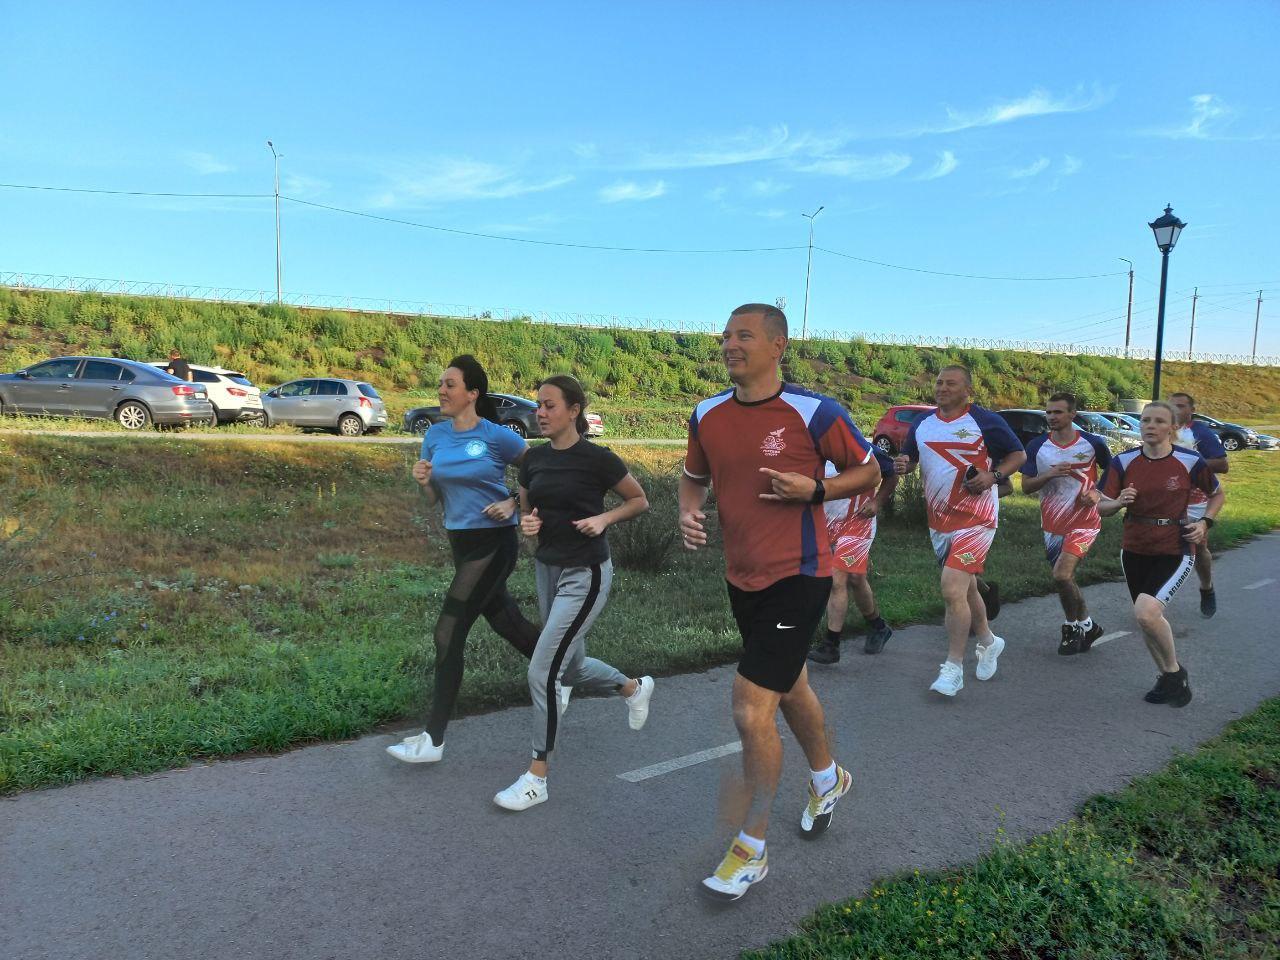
876, 639
825, 652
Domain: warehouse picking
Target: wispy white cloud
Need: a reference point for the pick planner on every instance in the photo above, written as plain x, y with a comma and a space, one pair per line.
1070, 165
452, 180
749, 146
205, 164
1210, 119
1031, 170
302, 186
630, 190
946, 164
768, 188
1038, 103
856, 166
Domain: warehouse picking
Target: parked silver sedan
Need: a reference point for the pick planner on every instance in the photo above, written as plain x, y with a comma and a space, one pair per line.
135, 395
351, 407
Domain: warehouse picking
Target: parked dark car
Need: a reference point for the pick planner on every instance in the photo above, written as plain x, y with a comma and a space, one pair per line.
1029, 424
891, 430
1233, 436
135, 395
517, 414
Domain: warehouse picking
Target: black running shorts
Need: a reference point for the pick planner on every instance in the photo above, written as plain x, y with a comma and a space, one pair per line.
1158, 575
777, 625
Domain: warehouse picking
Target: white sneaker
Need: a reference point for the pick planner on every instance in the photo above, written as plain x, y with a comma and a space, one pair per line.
524, 793
739, 869
562, 695
638, 703
987, 655
950, 680
417, 749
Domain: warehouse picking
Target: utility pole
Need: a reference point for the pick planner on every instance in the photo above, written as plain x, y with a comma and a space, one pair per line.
1257, 314
804, 327
1128, 316
1191, 345
279, 294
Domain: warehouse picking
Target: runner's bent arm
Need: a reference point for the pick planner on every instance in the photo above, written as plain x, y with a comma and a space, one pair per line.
693, 497
634, 503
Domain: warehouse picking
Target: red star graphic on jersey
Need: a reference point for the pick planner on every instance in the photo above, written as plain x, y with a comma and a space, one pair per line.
962, 456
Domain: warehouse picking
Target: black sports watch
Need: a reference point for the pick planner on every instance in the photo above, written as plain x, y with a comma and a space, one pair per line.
998, 475
1209, 522
819, 492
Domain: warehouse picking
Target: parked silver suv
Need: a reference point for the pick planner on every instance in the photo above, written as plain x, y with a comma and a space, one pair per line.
134, 394
351, 407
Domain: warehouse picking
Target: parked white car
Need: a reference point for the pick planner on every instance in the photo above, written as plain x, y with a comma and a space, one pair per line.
234, 397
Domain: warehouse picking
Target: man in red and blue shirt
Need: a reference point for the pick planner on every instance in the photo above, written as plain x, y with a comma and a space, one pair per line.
1193, 434
763, 445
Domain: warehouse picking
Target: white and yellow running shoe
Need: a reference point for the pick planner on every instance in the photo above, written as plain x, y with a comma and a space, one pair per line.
817, 812
739, 869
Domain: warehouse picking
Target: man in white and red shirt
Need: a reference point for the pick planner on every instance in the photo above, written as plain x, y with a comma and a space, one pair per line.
1192, 434
964, 452
1067, 467
762, 444
1153, 484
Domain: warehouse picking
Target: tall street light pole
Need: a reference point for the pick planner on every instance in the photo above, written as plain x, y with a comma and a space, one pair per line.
804, 328
1128, 315
279, 294
1191, 344
1166, 230
1257, 315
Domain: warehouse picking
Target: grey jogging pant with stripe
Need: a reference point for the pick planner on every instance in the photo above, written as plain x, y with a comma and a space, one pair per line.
570, 599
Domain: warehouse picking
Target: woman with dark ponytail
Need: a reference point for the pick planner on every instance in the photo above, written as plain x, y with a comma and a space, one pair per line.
562, 488
464, 462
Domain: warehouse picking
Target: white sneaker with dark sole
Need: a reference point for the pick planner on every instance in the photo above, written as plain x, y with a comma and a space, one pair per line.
419, 749
987, 656
524, 793
638, 703
950, 679
738, 871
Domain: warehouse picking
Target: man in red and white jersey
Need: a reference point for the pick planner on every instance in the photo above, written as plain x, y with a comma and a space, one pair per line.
1067, 467
1192, 434
763, 444
1153, 485
964, 452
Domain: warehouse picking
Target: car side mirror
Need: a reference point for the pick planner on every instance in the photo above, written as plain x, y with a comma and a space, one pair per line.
23, 375
273, 393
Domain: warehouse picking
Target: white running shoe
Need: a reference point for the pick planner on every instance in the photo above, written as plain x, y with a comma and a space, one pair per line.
562, 695
987, 655
950, 680
638, 703
417, 749
524, 793
739, 869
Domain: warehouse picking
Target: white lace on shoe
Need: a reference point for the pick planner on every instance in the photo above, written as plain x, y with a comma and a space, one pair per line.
638, 703
950, 680
417, 749
987, 655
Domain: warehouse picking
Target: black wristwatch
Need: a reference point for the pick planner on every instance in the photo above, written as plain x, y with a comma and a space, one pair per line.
819, 492
998, 475
1208, 522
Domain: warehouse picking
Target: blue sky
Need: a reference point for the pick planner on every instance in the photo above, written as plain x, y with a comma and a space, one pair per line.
995, 139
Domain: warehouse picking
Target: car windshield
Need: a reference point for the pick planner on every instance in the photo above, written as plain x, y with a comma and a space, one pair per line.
368, 391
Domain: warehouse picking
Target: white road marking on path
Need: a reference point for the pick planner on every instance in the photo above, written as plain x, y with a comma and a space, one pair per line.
1112, 636
1260, 583
679, 763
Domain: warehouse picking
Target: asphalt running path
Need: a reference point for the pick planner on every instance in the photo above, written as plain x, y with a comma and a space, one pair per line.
214, 437
338, 851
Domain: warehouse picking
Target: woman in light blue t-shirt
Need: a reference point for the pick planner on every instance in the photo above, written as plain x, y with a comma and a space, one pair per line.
463, 465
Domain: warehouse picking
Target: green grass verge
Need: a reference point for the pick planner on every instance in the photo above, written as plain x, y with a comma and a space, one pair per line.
1182, 863
257, 596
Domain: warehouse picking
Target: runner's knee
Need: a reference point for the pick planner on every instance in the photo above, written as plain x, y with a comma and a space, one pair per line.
1148, 610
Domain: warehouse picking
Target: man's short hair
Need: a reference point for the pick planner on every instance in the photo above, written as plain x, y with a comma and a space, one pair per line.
775, 321
968, 377
1173, 416
1066, 397
175, 353
1191, 401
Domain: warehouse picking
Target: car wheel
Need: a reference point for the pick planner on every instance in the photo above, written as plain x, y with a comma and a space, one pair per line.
885, 445
133, 416
349, 425
516, 427
258, 419
213, 418
420, 425
1231, 443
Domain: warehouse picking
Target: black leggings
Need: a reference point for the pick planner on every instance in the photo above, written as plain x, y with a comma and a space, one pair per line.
482, 561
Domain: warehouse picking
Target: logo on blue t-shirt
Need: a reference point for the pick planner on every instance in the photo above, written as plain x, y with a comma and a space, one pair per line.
475, 448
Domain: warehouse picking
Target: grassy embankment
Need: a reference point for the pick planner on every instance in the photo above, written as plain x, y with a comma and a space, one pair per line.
1184, 863
644, 383
212, 600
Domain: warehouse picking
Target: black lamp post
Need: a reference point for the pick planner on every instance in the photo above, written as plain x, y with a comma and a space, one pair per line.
1166, 229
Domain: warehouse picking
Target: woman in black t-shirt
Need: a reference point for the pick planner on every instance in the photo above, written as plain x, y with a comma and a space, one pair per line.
562, 489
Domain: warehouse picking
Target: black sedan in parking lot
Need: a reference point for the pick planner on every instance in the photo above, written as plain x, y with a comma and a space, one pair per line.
517, 414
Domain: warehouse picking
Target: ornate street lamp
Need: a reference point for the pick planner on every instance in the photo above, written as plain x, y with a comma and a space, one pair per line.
1166, 228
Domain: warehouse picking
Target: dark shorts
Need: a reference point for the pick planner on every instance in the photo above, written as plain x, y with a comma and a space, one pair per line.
777, 625
1158, 575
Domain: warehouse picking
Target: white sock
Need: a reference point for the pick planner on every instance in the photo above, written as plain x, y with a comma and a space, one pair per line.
958, 663
754, 844
1087, 623
540, 781
824, 780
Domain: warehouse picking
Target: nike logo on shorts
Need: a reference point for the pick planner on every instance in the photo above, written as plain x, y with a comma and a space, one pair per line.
782, 626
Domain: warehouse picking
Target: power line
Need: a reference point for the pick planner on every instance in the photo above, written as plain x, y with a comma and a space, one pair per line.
139, 193
965, 276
